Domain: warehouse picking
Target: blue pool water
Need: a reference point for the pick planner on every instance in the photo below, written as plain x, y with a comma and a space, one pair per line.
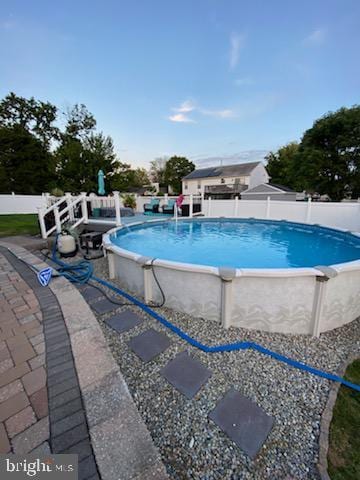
240, 243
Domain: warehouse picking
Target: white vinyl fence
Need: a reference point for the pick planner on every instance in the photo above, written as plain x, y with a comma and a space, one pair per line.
341, 215
10, 204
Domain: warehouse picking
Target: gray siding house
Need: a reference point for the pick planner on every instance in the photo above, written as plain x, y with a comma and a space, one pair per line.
272, 190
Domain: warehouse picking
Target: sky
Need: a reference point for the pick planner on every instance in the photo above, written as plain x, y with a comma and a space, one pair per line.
210, 80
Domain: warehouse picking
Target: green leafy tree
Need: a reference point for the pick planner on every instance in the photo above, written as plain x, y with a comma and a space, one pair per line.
26, 166
326, 161
80, 122
125, 177
177, 168
157, 170
280, 164
78, 162
329, 154
31, 115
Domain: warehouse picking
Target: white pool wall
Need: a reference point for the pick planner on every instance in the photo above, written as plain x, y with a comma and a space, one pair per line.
291, 300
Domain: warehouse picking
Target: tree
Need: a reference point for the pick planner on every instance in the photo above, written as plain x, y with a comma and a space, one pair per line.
177, 168
327, 160
329, 154
157, 170
280, 164
32, 115
78, 162
125, 177
26, 166
80, 122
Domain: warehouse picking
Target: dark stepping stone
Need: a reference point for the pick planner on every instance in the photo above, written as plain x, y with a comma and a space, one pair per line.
91, 293
103, 306
186, 373
243, 421
124, 321
149, 344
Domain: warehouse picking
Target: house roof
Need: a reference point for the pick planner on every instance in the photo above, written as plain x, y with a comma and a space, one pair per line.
270, 187
223, 171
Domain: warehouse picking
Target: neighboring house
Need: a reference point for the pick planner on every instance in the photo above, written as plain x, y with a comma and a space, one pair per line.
225, 181
272, 190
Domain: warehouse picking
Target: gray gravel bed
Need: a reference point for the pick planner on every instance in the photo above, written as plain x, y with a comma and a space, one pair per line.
191, 445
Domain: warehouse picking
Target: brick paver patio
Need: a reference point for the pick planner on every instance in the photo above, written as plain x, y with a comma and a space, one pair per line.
60, 388
24, 422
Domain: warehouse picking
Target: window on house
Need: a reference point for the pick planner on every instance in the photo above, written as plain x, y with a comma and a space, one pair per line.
223, 180
186, 186
199, 185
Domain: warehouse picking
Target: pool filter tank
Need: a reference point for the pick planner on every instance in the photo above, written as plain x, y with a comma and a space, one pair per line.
66, 245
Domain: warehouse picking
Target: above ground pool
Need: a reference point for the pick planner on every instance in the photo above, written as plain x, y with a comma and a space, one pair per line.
240, 243
270, 275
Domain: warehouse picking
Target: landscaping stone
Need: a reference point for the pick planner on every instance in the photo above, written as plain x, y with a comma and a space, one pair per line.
148, 345
186, 374
124, 321
103, 306
244, 421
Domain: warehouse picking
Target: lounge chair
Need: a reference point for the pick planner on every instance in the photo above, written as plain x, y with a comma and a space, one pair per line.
169, 207
152, 206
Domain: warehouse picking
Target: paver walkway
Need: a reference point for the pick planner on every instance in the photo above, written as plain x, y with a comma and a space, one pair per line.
24, 418
60, 389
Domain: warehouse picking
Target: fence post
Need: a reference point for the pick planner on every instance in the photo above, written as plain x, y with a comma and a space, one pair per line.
236, 206
209, 207
84, 210
47, 199
117, 208
308, 210
69, 204
57, 219
268, 207
42, 222
191, 205
166, 198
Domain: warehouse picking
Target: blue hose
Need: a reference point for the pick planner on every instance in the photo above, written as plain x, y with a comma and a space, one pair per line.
82, 271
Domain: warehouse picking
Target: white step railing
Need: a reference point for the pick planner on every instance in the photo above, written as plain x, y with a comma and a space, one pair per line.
67, 214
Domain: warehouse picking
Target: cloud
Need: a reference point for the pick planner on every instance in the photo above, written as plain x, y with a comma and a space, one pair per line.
237, 42
315, 38
226, 113
180, 118
186, 107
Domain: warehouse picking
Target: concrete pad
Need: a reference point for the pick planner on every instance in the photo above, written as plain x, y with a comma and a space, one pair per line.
103, 306
186, 374
243, 421
91, 293
124, 321
149, 344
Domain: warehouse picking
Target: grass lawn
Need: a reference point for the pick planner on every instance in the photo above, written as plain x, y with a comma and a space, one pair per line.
18, 225
344, 441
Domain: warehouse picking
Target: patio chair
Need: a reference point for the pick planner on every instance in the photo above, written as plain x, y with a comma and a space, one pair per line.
152, 206
169, 207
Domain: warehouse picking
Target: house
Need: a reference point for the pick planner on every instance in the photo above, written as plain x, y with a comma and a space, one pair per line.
226, 181
272, 190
